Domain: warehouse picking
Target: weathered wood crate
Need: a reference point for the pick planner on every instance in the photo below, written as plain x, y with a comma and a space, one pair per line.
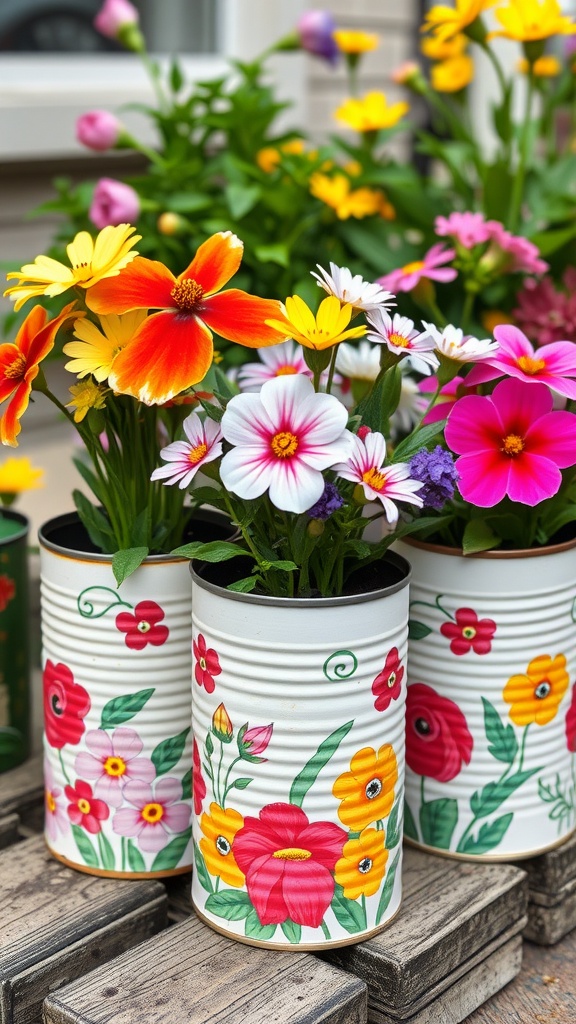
551, 894
22, 793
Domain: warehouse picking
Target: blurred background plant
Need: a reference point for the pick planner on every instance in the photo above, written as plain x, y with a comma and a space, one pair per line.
16, 476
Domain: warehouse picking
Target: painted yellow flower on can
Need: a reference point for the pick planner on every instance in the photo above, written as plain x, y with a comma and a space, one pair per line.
219, 828
536, 696
361, 867
532, 20
349, 41
452, 75
366, 791
370, 113
447, 22
221, 724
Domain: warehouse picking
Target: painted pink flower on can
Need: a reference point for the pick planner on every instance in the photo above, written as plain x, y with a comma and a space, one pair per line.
256, 740
198, 784
388, 683
84, 809
207, 664
155, 814
469, 632
438, 740
113, 761
66, 704
571, 723
55, 817
143, 627
288, 863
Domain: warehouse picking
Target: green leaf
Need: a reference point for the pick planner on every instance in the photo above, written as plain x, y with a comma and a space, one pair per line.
276, 252
244, 586
382, 400
388, 888
417, 630
438, 819
489, 836
229, 904
410, 829
85, 848
255, 930
201, 870
106, 852
187, 785
122, 709
125, 562
168, 752
348, 913
168, 858
241, 783
95, 522
393, 826
241, 199
311, 770
487, 800
292, 931
176, 77
503, 744
423, 438
135, 859
279, 563
213, 551
478, 536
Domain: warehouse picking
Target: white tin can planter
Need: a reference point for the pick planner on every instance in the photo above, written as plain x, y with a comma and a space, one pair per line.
491, 706
298, 719
117, 730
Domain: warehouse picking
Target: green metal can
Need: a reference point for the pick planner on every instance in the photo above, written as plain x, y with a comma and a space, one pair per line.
14, 640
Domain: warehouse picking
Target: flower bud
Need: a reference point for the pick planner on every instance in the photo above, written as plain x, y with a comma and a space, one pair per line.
98, 129
316, 29
113, 203
118, 19
169, 223
256, 739
315, 528
221, 725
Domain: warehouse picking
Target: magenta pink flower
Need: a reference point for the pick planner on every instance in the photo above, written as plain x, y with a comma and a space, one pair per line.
198, 784
469, 632
143, 627
438, 740
511, 444
113, 762
113, 16
207, 664
524, 256
84, 809
551, 364
288, 862
55, 818
388, 683
98, 129
155, 814
446, 399
468, 229
547, 314
430, 267
113, 203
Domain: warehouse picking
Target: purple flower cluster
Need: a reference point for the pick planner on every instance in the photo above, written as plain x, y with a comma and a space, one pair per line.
329, 501
437, 472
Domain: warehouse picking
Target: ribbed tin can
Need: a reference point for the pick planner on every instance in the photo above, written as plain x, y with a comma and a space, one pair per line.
14, 640
117, 728
298, 722
491, 706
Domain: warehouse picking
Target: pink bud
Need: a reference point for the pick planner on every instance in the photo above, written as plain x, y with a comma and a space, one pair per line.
98, 129
315, 29
114, 15
113, 203
256, 740
363, 432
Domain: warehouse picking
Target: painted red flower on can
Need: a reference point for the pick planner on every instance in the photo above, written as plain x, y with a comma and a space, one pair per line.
388, 683
7, 591
207, 664
288, 862
66, 704
84, 809
571, 723
143, 627
198, 784
438, 740
469, 632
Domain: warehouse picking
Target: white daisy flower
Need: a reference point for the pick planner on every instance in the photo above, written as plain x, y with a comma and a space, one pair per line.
355, 291
358, 362
452, 343
401, 338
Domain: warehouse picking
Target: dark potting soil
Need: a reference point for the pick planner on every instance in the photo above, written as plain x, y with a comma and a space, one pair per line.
68, 532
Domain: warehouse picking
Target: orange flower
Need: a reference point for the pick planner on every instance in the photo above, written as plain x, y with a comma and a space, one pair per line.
19, 365
452, 75
219, 828
367, 790
361, 867
535, 697
172, 349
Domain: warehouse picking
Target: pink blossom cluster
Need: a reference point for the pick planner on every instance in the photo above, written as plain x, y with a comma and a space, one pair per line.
546, 313
470, 229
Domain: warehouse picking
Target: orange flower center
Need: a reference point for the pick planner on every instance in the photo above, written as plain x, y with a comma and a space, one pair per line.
413, 268
283, 371
152, 813
374, 478
187, 294
530, 365
115, 766
16, 369
50, 802
292, 853
398, 339
284, 444
512, 445
84, 806
197, 454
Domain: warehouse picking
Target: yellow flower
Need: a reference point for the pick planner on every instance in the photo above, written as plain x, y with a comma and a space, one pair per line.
349, 41
371, 112
444, 49
452, 75
361, 867
338, 194
535, 697
269, 157
491, 318
367, 790
531, 20
86, 396
317, 332
17, 475
96, 349
546, 66
219, 828
447, 22
90, 260
222, 725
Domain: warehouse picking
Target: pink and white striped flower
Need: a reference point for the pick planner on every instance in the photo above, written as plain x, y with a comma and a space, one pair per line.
452, 343
388, 484
405, 278
402, 339
354, 290
277, 361
184, 458
284, 438
155, 814
113, 761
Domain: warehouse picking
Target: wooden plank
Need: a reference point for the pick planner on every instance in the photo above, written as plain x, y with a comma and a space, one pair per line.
452, 914
544, 991
190, 974
8, 830
57, 924
549, 872
549, 922
22, 793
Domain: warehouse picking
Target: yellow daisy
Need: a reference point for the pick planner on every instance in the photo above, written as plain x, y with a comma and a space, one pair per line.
452, 75
318, 332
349, 41
97, 348
444, 49
371, 112
90, 260
85, 396
546, 66
17, 475
532, 20
447, 22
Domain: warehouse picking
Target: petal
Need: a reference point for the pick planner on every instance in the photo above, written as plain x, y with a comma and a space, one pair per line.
246, 472
519, 404
88, 766
473, 425
532, 479
247, 422
143, 284
483, 477
240, 317
126, 743
138, 793
294, 487
153, 838
307, 888
127, 822
554, 437
177, 817
264, 883
10, 422
109, 789
215, 262
512, 341
168, 354
168, 791
99, 743
140, 768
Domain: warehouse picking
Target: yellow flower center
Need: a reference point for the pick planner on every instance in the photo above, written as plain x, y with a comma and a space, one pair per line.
284, 444
143, 627
84, 806
412, 268
82, 271
391, 680
398, 339
152, 813
114, 766
512, 445
187, 294
202, 663
469, 632
283, 371
292, 853
530, 365
50, 802
16, 369
374, 478
197, 454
